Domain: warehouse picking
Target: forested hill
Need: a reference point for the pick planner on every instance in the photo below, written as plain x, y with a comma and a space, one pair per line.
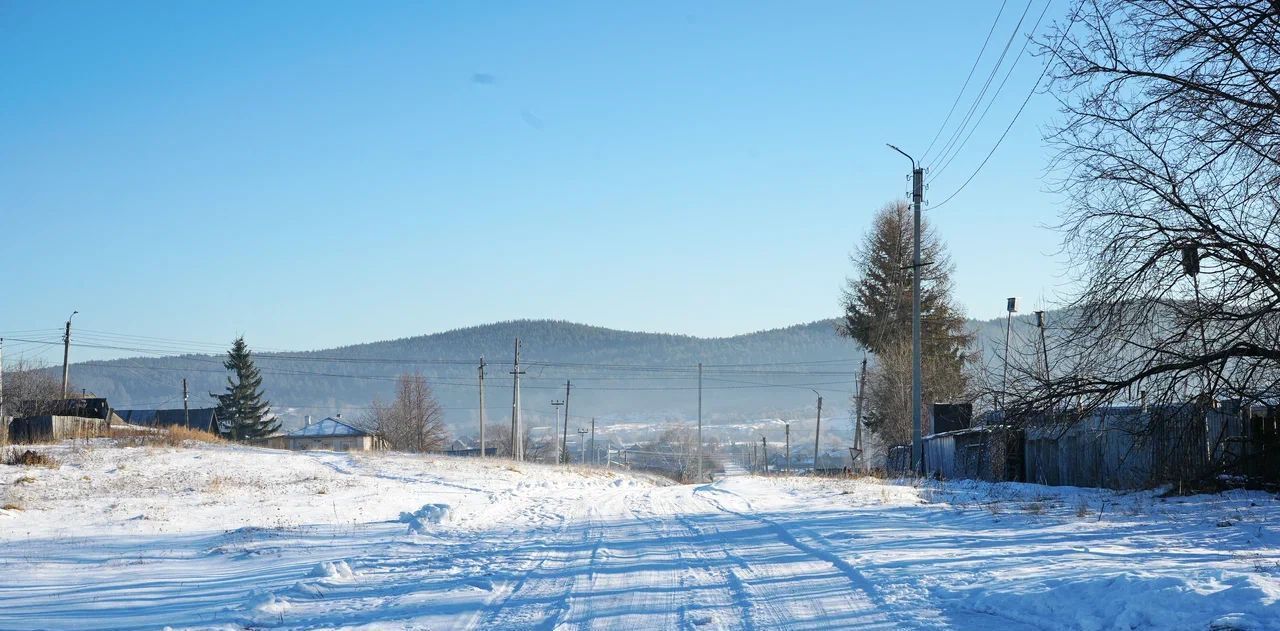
616, 374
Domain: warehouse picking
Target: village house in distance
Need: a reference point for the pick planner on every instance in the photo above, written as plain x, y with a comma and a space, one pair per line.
330, 433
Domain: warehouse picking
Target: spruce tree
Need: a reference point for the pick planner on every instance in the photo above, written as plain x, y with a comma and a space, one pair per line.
242, 411
877, 314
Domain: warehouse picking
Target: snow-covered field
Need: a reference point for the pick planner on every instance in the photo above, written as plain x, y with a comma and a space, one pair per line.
229, 537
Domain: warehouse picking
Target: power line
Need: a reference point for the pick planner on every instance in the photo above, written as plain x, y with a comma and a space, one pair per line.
946, 148
742, 368
999, 89
965, 86
1030, 93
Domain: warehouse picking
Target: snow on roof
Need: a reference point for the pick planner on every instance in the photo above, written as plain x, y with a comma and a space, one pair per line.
328, 427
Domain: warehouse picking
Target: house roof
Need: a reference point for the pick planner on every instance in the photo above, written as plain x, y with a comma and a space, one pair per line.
327, 427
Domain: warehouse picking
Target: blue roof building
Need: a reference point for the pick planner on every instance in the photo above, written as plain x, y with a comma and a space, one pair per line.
332, 434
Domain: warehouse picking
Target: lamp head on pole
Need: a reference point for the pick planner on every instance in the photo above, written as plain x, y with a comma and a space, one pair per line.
905, 154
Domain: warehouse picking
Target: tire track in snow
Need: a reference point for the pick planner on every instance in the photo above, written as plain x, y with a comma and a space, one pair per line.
738, 596
859, 582
539, 598
329, 460
617, 588
749, 604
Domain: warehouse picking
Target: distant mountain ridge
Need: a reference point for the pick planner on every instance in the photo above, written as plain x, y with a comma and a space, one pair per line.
616, 374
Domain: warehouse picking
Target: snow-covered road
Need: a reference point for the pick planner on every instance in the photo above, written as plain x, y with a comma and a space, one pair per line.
221, 537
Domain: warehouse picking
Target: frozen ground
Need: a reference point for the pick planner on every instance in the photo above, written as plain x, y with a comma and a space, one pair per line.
235, 538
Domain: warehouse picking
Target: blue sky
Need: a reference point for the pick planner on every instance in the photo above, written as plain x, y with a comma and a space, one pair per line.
312, 174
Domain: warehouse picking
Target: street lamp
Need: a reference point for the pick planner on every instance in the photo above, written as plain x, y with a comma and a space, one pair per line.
917, 385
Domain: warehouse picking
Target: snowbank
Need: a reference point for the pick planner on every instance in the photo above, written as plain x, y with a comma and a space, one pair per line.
222, 536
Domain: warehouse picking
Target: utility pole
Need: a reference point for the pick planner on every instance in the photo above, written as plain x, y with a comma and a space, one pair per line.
4, 426
1044, 345
481, 406
582, 445
66, 354
1010, 308
917, 379
565, 439
857, 427
186, 410
699, 422
788, 429
517, 437
595, 457
817, 433
555, 407
764, 453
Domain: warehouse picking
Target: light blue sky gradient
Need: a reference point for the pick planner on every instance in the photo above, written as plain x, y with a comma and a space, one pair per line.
312, 174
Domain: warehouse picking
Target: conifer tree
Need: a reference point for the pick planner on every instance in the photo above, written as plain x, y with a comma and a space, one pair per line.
877, 314
242, 412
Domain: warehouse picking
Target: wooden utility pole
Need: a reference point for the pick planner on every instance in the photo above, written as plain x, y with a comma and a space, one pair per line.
186, 409
1011, 307
817, 433
857, 427
788, 428
595, 456
1044, 343
564, 442
764, 453
482, 407
699, 422
517, 435
66, 355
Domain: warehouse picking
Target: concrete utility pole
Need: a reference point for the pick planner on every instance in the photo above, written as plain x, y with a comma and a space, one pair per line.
582, 445
555, 408
817, 434
482, 407
1010, 308
788, 429
517, 435
186, 410
764, 453
565, 439
66, 354
699, 422
595, 456
917, 380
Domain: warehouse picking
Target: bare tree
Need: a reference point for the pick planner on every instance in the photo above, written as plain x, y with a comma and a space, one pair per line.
675, 452
30, 388
1169, 157
499, 438
413, 421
